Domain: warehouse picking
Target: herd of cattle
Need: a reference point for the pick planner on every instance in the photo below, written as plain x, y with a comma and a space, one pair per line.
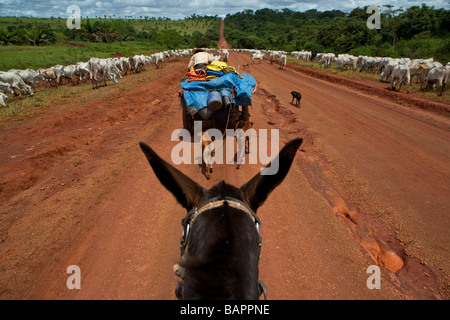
429, 73
396, 71
18, 82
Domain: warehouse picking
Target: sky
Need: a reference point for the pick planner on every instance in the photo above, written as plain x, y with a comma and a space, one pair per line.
179, 9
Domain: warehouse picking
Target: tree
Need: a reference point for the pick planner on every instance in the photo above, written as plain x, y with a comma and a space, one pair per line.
40, 35
171, 38
199, 40
392, 20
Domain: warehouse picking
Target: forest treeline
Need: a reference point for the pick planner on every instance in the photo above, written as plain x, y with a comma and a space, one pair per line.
416, 32
163, 33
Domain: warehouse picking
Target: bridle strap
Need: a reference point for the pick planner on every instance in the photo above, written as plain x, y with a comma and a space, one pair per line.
213, 204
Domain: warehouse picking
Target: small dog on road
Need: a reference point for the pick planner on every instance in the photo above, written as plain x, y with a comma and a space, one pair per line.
297, 96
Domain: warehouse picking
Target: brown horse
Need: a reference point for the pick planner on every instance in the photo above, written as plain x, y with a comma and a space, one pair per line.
221, 244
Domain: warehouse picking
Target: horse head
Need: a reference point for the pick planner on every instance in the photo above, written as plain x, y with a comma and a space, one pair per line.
221, 244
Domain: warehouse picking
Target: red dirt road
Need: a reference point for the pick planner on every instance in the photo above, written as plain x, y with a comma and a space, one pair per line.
369, 186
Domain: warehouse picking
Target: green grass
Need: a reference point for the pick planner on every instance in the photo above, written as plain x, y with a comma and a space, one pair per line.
35, 57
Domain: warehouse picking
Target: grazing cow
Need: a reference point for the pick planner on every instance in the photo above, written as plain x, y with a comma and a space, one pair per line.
400, 74
6, 88
137, 62
297, 96
420, 70
49, 76
124, 65
84, 73
438, 76
70, 73
326, 59
29, 76
344, 61
16, 83
369, 63
221, 243
3, 100
304, 55
389, 65
102, 69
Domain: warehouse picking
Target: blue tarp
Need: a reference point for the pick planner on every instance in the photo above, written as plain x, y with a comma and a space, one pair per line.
196, 92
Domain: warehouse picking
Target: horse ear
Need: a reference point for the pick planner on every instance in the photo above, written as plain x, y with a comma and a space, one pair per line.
186, 191
258, 189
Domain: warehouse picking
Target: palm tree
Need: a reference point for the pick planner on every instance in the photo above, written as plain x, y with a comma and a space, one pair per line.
40, 35
5, 37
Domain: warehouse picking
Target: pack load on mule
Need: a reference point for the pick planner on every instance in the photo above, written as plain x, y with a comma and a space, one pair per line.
213, 93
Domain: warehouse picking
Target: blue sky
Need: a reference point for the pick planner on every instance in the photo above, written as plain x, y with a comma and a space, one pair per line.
179, 9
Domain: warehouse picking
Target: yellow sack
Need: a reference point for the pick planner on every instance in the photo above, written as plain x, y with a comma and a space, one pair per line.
217, 66
219, 63
229, 69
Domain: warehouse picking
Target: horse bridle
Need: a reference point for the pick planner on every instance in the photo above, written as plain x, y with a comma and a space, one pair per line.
213, 203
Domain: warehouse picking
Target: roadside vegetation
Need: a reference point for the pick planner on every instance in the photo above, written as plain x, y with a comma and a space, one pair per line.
416, 32
44, 42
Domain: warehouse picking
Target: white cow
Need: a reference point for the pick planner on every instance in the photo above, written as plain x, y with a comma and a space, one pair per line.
369, 63
16, 82
29, 76
124, 65
3, 100
225, 53
257, 56
57, 70
283, 59
49, 76
101, 69
420, 70
84, 72
70, 73
439, 76
344, 61
158, 58
6, 88
400, 74
137, 62
326, 59
389, 65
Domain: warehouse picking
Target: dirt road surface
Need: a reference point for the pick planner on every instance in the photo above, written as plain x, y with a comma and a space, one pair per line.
369, 186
